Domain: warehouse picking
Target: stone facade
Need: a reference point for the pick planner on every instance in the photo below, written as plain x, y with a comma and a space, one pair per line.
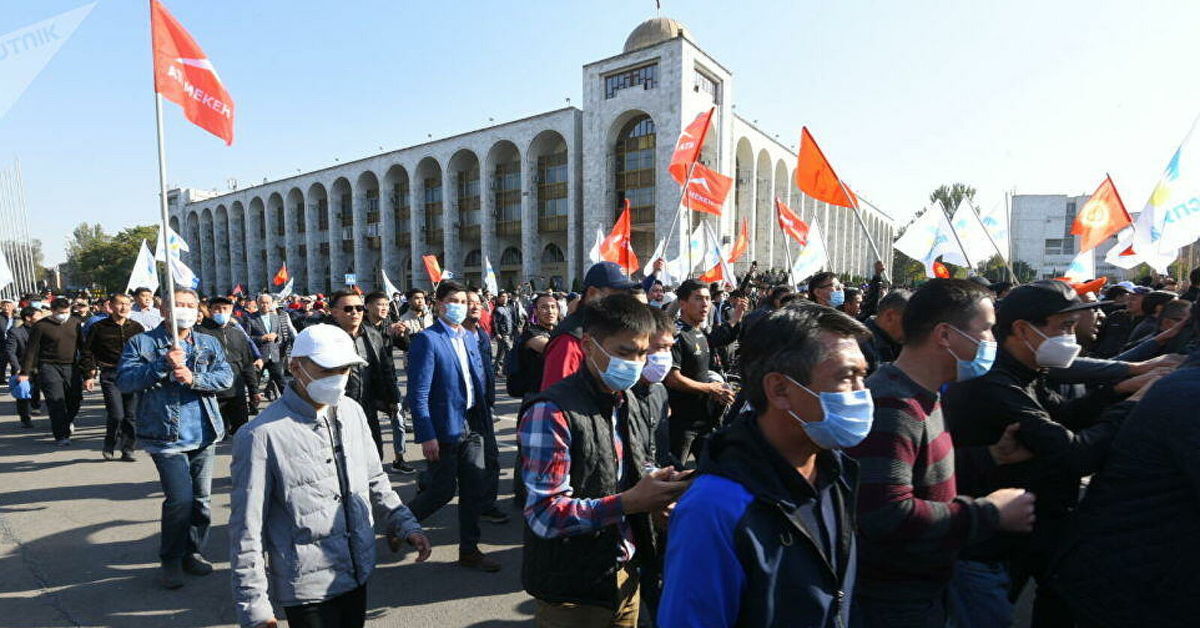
527, 195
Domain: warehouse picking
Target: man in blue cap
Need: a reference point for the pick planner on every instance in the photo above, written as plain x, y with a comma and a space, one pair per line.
564, 353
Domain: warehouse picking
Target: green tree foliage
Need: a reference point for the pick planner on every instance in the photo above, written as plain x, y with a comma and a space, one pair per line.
950, 196
101, 261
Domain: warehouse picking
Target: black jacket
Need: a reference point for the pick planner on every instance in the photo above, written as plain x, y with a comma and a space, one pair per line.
1132, 561
14, 346
1113, 334
374, 386
1069, 439
879, 348
237, 352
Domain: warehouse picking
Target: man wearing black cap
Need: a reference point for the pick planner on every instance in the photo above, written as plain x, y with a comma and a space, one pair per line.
564, 353
1035, 326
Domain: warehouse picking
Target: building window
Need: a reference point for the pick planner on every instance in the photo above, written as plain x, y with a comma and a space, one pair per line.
708, 85
322, 215
552, 191
553, 255
635, 169
467, 185
400, 210
645, 77
299, 224
474, 259
507, 185
278, 221
510, 257
1060, 246
1069, 219
432, 198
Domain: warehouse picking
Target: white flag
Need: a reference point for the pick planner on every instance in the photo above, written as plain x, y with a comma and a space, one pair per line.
813, 257
1124, 241
6, 274
28, 50
388, 286
714, 257
287, 289
1083, 267
144, 274
681, 267
1171, 218
594, 253
970, 232
174, 243
489, 277
927, 238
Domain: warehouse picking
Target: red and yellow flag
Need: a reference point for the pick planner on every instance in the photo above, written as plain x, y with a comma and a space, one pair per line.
1101, 217
791, 223
687, 149
816, 178
706, 190
184, 75
940, 271
741, 243
281, 277
618, 246
432, 268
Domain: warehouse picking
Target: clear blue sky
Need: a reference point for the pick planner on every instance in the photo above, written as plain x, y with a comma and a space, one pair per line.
1043, 97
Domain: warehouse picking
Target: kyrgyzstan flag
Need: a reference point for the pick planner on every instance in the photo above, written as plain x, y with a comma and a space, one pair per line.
940, 271
706, 190
618, 246
791, 223
741, 243
432, 268
185, 76
281, 277
1101, 217
815, 177
687, 149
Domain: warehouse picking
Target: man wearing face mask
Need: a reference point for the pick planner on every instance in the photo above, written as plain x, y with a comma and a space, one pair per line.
373, 384
487, 428
650, 391
448, 401
588, 466
912, 522
825, 289
1035, 326
306, 476
234, 401
53, 354
178, 420
564, 353
774, 503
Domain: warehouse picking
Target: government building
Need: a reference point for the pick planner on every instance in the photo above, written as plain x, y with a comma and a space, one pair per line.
528, 195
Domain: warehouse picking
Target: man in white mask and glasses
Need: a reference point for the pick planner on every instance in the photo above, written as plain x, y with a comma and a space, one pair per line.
1035, 329
306, 475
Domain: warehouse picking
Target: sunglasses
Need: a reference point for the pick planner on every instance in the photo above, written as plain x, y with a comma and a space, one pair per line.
350, 309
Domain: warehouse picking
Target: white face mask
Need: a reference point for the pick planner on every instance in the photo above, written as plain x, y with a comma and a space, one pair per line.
657, 367
326, 390
185, 317
61, 316
1056, 351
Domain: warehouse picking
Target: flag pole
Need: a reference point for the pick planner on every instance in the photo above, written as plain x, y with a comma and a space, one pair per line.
678, 213
866, 232
162, 206
787, 249
954, 232
1007, 264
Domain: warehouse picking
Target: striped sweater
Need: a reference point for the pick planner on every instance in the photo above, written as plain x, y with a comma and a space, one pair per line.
912, 523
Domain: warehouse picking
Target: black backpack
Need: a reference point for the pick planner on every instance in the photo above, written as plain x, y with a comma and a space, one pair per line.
518, 377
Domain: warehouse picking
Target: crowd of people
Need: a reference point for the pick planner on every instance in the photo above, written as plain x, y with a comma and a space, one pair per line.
766, 454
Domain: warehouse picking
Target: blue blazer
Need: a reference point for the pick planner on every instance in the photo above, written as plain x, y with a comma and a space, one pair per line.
436, 396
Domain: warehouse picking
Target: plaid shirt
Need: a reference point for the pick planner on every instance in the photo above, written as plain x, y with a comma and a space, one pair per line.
550, 509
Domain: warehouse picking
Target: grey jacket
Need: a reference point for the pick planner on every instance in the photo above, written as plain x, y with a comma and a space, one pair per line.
305, 508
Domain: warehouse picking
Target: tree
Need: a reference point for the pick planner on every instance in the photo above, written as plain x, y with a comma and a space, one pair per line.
103, 262
950, 196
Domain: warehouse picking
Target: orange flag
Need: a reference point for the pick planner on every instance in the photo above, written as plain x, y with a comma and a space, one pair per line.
706, 190
618, 246
741, 243
940, 271
791, 223
687, 149
185, 76
1101, 217
432, 268
281, 277
815, 177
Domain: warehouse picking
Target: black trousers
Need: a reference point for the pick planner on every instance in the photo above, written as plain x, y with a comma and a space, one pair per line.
235, 411
62, 387
491, 462
348, 610
275, 375
461, 469
121, 409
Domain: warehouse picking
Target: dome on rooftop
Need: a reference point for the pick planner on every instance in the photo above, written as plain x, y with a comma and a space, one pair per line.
654, 31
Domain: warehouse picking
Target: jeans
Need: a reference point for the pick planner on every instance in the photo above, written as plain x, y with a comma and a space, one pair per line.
397, 420
186, 479
460, 468
348, 610
978, 595
120, 408
62, 387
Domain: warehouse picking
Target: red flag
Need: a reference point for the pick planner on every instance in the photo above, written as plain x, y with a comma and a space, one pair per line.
1101, 217
815, 177
281, 277
791, 223
432, 268
687, 149
741, 243
618, 246
185, 76
239, 290
706, 190
940, 271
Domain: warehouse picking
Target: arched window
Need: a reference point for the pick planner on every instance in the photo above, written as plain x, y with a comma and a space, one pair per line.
553, 255
635, 168
510, 257
474, 258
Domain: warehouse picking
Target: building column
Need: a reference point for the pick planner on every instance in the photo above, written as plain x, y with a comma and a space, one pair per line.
358, 256
269, 242
576, 240
531, 257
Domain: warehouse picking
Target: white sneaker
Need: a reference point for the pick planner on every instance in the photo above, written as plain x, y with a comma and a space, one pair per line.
71, 429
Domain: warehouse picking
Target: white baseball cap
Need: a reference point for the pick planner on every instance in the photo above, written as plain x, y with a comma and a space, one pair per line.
327, 345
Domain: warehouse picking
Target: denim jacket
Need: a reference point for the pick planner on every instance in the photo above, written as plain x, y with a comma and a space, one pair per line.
163, 401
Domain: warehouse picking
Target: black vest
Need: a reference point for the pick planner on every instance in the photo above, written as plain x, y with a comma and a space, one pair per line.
582, 569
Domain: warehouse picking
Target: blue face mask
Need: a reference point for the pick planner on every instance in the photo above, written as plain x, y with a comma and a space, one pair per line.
837, 298
456, 312
221, 318
985, 356
848, 417
621, 374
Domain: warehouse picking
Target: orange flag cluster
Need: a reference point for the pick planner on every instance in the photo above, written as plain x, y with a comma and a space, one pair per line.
790, 223
741, 243
1101, 217
816, 178
687, 148
618, 246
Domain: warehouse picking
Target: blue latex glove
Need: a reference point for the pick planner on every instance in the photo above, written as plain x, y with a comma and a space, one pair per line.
20, 390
